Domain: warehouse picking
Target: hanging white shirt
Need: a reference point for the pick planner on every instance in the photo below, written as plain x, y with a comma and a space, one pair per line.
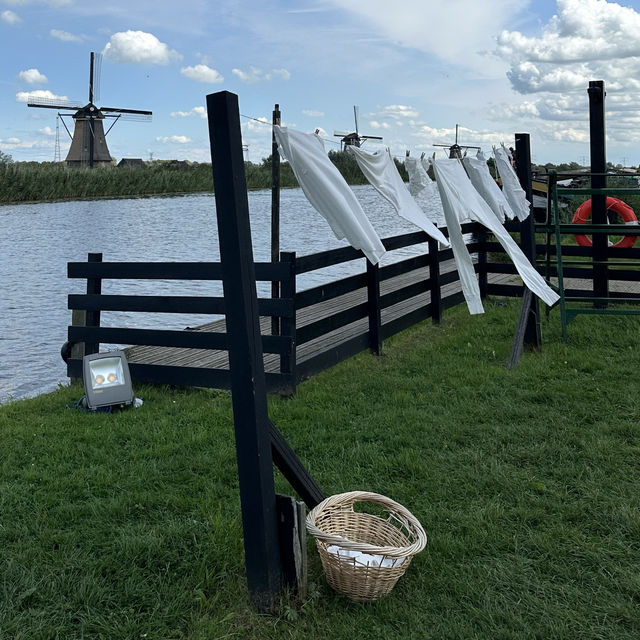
513, 192
328, 192
418, 178
381, 171
478, 172
460, 200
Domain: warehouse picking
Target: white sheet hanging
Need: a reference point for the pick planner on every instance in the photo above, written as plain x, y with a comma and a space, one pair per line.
381, 171
327, 191
511, 188
461, 200
478, 172
424, 190
418, 178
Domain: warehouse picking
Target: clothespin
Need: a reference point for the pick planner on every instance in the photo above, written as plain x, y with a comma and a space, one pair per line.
407, 153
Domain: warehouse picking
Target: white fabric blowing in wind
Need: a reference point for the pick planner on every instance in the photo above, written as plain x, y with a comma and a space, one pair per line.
327, 191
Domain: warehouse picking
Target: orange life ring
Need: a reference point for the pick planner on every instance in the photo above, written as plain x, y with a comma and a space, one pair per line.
583, 213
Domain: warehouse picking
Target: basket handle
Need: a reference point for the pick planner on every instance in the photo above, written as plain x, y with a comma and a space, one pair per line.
348, 499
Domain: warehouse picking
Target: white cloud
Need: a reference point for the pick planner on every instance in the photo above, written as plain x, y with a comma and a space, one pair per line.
202, 73
313, 113
65, 36
10, 17
47, 131
586, 39
138, 47
278, 73
177, 139
32, 76
374, 124
196, 111
40, 94
399, 111
253, 75
571, 135
455, 31
256, 75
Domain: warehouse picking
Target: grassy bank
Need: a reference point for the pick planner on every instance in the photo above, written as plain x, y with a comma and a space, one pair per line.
48, 181
128, 525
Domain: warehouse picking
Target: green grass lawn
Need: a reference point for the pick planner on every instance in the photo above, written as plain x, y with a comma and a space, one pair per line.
527, 483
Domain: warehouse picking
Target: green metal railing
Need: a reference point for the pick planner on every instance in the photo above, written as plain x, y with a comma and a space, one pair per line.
571, 305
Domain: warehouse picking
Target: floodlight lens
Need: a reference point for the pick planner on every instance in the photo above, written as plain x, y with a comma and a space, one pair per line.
106, 372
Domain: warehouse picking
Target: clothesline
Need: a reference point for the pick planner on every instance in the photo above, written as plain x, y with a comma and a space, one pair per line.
467, 193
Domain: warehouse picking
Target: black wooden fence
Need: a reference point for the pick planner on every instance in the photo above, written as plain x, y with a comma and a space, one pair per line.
422, 294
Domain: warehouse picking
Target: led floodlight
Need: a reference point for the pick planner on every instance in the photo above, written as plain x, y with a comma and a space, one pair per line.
106, 379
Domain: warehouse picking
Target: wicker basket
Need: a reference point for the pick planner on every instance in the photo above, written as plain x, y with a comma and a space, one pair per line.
386, 544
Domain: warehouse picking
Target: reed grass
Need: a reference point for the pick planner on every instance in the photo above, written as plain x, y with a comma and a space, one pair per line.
128, 525
48, 181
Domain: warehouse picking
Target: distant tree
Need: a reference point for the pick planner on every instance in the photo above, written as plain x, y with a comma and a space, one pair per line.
5, 158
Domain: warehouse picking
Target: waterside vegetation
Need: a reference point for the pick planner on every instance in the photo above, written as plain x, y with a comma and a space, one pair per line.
49, 181
128, 525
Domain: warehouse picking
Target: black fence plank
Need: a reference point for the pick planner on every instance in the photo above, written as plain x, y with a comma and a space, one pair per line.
170, 338
331, 290
404, 266
172, 304
165, 270
327, 259
330, 323
405, 293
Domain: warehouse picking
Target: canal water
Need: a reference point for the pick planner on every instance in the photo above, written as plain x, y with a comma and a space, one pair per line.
37, 241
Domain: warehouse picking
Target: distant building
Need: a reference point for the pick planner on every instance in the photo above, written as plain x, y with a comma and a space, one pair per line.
131, 162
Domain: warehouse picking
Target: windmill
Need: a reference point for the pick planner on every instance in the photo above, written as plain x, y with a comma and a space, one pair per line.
455, 150
88, 143
354, 138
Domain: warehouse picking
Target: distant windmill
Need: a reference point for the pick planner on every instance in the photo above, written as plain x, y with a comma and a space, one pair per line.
455, 150
354, 138
88, 143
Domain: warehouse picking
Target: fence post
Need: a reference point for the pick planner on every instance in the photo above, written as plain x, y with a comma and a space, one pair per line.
92, 318
434, 276
597, 146
275, 213
248, 386
373, 306
481, 236
532, 333
288, 325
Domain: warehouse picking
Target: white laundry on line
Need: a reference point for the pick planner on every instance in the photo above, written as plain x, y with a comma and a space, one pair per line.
381, 171
478, 172
418, 178
424, 190
461, 200
511, 188
327, 191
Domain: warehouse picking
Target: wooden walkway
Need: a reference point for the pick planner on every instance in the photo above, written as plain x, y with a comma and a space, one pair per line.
214, 359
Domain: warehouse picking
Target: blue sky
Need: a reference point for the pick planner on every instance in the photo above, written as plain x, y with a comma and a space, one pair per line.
415, 69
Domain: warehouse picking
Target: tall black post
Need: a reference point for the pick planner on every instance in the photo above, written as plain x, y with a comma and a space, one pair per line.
275, 213
92, 318
599, 181
532, 334
248, 388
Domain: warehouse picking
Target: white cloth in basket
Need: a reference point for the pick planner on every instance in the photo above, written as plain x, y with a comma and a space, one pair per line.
365, 559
